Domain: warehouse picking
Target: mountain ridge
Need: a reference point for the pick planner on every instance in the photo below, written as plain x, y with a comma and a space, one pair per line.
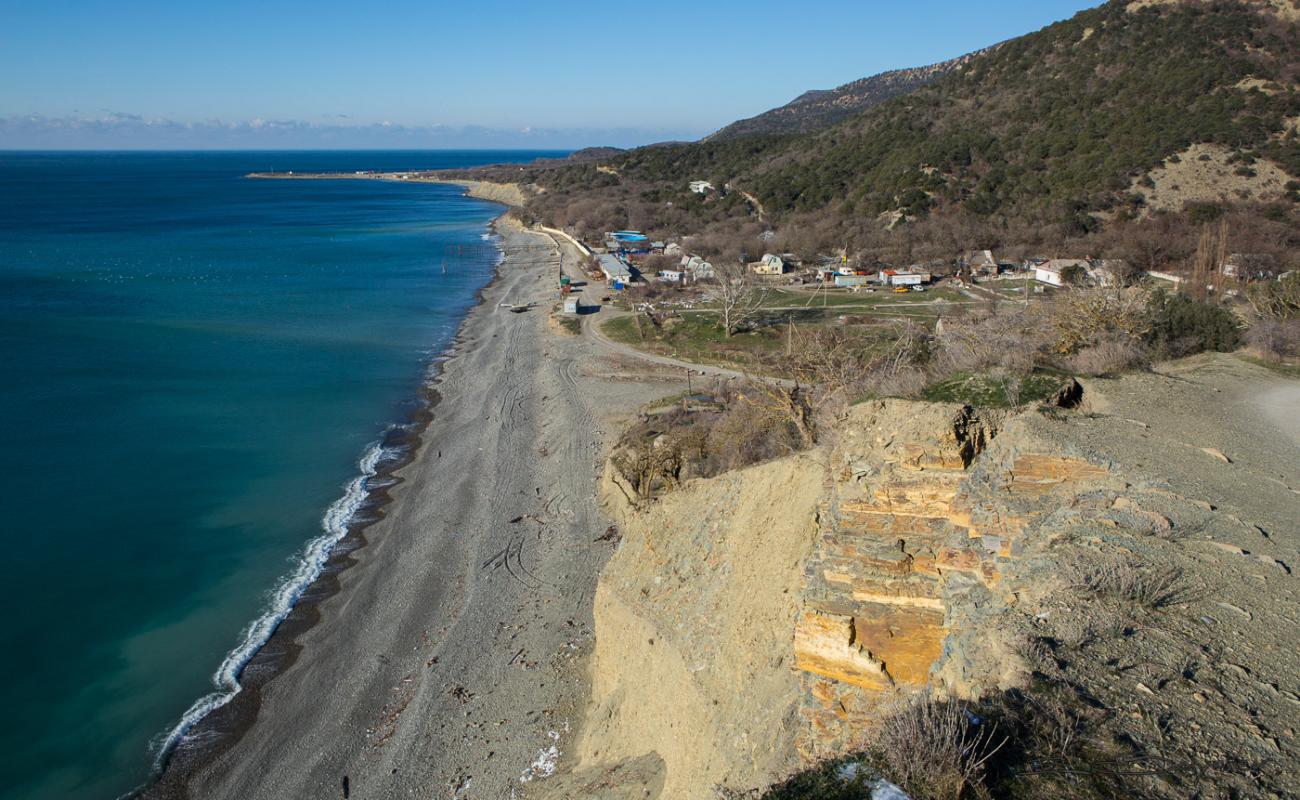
817, 109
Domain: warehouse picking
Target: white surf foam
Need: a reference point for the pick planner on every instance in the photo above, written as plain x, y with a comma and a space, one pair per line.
307, 569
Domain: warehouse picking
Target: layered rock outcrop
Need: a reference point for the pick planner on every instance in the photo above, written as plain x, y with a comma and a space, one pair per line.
926, 516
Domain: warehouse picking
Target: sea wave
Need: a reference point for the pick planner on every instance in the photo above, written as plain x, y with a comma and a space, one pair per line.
307, 569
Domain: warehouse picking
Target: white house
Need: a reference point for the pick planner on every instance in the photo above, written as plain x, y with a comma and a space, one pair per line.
671, 275
571, 305
1052, 273
700, 187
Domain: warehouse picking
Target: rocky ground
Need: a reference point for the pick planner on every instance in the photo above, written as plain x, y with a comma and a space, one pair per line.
1113, 583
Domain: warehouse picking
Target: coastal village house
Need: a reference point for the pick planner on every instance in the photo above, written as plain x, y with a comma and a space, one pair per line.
982, 262
770, 264
627, 242
614, 269
1054, 272
697, 268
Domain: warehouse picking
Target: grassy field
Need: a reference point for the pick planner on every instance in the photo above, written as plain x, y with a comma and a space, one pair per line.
696, 337
570, 323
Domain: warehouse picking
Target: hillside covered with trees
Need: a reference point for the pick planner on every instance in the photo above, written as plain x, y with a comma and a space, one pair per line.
821, 108
1045, 141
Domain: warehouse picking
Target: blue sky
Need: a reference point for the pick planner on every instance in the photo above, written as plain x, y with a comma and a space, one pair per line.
284, 73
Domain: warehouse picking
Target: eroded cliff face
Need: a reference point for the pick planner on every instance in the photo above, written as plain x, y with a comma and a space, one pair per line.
753, 623
692, 677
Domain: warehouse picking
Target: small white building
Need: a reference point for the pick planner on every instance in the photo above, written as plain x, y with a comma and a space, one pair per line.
701, 187
900, 277
671, 276
1048, 274
571, 305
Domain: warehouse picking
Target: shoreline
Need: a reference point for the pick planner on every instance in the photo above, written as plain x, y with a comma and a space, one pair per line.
446, 641
221, 726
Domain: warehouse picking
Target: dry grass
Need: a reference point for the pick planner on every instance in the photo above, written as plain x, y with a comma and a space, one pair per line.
1276, 341
935, 750
1108, 357
1123, 578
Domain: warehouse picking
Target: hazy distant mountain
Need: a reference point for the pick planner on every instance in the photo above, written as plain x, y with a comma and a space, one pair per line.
822, 108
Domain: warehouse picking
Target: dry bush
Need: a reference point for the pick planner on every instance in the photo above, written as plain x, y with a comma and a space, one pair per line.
1109, 356
1002, 337
1125, 579
747, 433
908, 382
1083, 318
649, 463
934, 749
1275, 340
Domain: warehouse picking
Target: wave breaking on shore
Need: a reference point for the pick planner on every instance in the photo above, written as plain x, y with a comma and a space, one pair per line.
335, 523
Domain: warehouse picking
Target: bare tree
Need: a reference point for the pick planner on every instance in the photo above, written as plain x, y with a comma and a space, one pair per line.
737, 297
827, 367
1211, 253
1279, 299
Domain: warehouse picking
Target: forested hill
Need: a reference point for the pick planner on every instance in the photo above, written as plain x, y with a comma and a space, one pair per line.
822, 108
1058, 123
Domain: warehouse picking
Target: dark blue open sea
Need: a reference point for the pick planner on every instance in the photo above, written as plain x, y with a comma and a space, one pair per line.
196, 370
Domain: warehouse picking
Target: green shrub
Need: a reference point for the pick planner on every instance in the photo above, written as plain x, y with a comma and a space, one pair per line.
1182, 326
1203, 213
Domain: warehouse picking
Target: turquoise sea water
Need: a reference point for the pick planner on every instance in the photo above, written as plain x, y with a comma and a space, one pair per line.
193, 365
